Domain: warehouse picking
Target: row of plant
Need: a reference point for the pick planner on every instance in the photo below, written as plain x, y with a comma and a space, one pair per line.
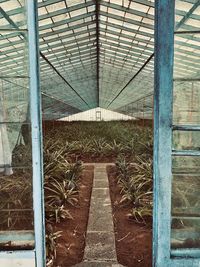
136, 183
102, 139
16, 201
97, 139
61, 190
61, 180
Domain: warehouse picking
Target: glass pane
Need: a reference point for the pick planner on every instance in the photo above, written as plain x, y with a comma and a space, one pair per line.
186, 140
186, 106
186, 55
14, 95
14, 56
181, 8
16, 209
16, 10
185, 223
186, 164
16, 145
16, 203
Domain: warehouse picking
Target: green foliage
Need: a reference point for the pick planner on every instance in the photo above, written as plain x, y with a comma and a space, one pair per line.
142, 215
72, 174
61, 184
52, 160
56, 213
58, 193
98, 139
16, 196
61, 147
123, 140
124, 168
136, 187
115, 148
51, 245
98, 147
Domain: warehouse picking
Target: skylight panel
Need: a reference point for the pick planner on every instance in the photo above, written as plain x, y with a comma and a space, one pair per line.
56, 7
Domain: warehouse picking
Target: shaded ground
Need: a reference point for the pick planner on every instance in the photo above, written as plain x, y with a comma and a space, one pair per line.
71, 245
88, 158
133, 241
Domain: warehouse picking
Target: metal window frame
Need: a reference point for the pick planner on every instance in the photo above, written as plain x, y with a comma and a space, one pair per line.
163, 256
36, 119
38, 253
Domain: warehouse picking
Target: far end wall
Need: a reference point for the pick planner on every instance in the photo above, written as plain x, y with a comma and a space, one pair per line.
97, 114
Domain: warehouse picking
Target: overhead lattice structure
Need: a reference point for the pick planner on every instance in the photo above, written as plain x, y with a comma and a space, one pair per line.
94, 53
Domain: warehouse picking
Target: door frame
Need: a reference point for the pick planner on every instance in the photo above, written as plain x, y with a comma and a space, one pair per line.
163, 256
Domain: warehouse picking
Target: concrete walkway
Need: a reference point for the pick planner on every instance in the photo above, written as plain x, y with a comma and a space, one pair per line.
100, 240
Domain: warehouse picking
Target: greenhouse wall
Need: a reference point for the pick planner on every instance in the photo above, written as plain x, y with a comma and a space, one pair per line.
98, 114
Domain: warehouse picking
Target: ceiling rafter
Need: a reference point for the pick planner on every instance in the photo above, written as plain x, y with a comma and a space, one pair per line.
98, 49
180, 24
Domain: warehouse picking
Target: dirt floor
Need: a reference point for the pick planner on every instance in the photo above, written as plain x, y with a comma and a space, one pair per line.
88, 158
133, 241
70, 250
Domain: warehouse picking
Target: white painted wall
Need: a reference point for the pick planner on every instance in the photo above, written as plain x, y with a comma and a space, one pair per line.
91, 115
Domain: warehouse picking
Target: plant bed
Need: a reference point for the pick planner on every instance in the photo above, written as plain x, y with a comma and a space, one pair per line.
133, 241
88, 158
98, 141
71, 244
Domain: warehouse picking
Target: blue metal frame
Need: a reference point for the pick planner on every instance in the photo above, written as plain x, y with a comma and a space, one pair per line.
35, 257
164, 39
35, 104
163, 256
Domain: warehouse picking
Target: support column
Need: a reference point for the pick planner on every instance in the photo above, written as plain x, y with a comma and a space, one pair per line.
164, 43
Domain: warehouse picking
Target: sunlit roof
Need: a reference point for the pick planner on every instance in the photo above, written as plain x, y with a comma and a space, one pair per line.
96, 53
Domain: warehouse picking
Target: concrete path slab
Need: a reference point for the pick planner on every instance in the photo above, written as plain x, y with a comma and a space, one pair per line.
100, 240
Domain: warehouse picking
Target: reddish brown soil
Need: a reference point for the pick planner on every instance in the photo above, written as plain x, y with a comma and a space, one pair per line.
133, 241
71, 245
89, 158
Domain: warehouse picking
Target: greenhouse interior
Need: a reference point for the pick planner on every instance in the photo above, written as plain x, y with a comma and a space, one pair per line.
99, 133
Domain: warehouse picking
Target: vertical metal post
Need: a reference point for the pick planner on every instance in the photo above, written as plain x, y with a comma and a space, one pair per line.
164, 43
35, 105
152, 112
143, 124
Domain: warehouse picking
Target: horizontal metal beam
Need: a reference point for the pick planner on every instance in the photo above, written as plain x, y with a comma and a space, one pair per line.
187, 15
126, 10
65, 10
185, 153
186, 127
66, 21
127, 20
113, 25
68, 29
